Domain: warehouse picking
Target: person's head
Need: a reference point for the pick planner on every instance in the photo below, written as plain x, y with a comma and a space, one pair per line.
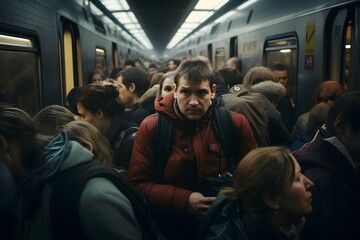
233, 63
173, 64
152, 69
114, 73
72, 99
51, 119
167, 83
17, 135
129, 64
194, 88
281, 72
317, 117
344, 122
268, 180
328, 91
89, 136
138, 62
133, 83
231, 76
259, 74
97, 76
98, 104
156, 79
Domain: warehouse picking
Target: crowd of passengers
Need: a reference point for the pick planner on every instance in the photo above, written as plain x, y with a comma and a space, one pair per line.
286, 176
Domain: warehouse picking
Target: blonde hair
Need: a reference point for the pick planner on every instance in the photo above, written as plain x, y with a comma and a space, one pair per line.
88, 135
262, 172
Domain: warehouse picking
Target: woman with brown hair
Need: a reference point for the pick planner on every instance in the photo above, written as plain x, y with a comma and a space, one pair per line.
268, 200
99, 105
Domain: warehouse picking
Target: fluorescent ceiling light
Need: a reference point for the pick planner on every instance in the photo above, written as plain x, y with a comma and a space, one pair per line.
15, 41
120, 9
203, 10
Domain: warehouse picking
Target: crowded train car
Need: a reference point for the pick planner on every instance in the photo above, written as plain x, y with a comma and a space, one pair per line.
315, 40
48, 47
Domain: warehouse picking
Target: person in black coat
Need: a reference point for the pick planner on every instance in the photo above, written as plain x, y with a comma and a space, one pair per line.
332, 162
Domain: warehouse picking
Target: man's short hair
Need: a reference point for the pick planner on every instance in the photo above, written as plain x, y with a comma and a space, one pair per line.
139, 77
194, 71
231, 76
152, 65
347, 106
278, 67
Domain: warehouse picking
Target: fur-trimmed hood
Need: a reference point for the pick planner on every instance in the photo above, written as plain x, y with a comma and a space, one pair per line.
271, 90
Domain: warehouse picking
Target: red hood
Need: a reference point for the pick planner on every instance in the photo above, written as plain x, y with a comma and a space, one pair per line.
165, 105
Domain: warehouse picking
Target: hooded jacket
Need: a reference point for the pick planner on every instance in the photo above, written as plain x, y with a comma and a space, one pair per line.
195, 154
336, 191
104, 211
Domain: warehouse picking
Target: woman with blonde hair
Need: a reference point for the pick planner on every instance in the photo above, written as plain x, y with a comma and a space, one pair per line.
268, 200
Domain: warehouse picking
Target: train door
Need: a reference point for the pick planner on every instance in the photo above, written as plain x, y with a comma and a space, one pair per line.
342, 49
284, 50
19, 75
233, 47
71, 61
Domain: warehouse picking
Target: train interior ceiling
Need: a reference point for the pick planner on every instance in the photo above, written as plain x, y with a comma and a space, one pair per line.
48, 47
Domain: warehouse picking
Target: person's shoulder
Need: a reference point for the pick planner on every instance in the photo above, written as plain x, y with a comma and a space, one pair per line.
100, 190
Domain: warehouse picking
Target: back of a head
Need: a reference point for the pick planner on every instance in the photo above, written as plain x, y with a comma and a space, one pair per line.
263, 171
100, 96
17, 124
156, 79
346, 107
137, 76
114, 73
328, 91
51, 119
194, 71
231, 76
234, 63
317, 117
89, 136
72, 99
129, 64
259, 74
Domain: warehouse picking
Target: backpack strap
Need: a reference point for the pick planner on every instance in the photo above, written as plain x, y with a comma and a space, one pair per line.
65, 197
123, 135
224, 127
164, 132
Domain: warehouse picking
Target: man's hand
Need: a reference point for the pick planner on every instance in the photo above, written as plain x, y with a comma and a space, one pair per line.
198, 204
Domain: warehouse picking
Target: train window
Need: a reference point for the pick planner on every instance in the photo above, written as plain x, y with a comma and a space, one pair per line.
219, 58
285, 51
19, 77
214, 30
101, 59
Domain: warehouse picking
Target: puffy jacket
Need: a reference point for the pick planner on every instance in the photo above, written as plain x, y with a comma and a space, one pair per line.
195, 154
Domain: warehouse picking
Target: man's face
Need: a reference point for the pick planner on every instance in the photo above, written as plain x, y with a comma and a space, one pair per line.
283, 77
171, 66
194, 99
152, 71
125, 94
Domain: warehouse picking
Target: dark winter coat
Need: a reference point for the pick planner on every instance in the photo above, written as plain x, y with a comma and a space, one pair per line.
336, 194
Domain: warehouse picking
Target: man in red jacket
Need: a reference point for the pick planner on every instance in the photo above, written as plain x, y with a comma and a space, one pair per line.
196, 152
